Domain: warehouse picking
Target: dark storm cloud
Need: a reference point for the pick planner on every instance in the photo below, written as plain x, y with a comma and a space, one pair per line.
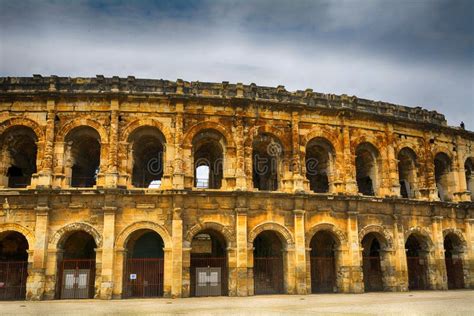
408, 52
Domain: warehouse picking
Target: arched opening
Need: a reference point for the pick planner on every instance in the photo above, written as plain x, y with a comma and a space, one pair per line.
417, 263
469, 169
147, 145
266, 156
18, 156
144, 267
208, 147
372, 264
268, 263
209, 273
82, 156
13, 266
323, 263
454, 263
367, 169
76, 273
407, 172
319, 163
443, 176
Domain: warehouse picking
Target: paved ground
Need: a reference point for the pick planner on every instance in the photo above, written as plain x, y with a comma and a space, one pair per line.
411, 303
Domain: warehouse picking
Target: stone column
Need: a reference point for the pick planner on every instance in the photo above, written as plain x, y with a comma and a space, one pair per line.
298, 177
436, 262
469, 262
242, 251
354, 264
300, 252
429, 190
179, 162
111, 174
108, 238
35, 285
349, 162
392, 181
241, 179
461, 193
43, 178
175, 272
400, 255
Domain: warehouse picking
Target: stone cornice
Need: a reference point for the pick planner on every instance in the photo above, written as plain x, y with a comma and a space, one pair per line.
238, 94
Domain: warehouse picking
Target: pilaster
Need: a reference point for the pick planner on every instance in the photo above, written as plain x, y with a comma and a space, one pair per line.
438, 278
400, 260
176, 254
469, 224
108, 235
354, 262
300, 251
179, 162
242, 251
35, 285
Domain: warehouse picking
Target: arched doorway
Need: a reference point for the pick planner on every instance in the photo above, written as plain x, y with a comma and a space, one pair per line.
323, 263
443, 176
453, 259
268, 263
208, 154
144, 267
18, 152
13, 266
367, 169
76, 273
209, 273
417, 263
267, 153
82, 154
469, 173
147, 156
372, 265
319, 164
407, 172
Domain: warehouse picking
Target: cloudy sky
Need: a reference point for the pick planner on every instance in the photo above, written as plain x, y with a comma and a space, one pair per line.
411, 52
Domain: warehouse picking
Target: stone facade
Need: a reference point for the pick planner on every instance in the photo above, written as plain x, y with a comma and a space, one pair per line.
362, 149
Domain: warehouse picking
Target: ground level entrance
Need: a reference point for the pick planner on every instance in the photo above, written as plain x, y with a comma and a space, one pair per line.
144, 266
13, 266
323, 263
209, 273
268, 264
76, 268
371, 264
417, 262
454, 262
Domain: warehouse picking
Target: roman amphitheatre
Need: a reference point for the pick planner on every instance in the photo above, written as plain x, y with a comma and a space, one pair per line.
115, 188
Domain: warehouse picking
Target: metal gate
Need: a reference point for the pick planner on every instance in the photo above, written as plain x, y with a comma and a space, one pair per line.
323, 274
209, 262
13, 276
208, 281
144, 277
417, 276
77, 278
455, 273
268, 275
372, 274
